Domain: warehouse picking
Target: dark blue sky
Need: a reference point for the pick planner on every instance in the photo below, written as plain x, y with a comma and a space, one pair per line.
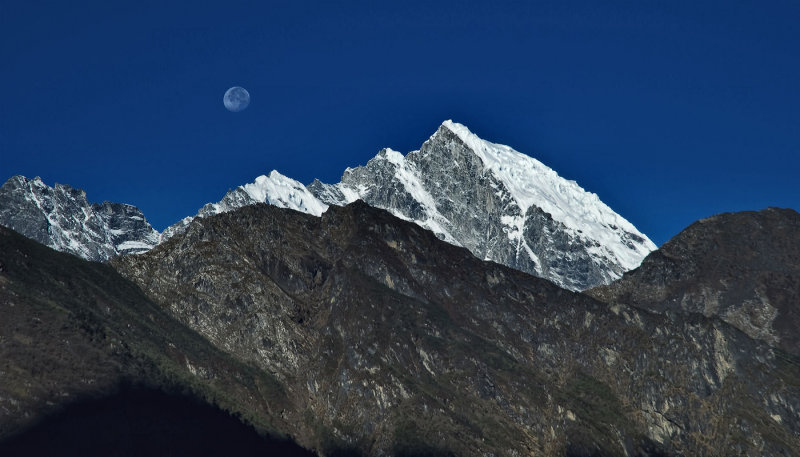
669, 111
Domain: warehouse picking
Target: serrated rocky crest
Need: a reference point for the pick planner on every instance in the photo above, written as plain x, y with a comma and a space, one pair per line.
500, 204
61, 217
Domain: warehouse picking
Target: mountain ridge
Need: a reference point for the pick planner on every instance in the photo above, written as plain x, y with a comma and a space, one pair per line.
499, 203
370, 335
386, 333
752, 256
73, 330
61, 217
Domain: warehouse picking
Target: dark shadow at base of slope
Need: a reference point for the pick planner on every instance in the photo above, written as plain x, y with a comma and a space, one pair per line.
138, 421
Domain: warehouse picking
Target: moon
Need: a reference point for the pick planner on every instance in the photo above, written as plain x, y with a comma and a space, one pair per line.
236, 99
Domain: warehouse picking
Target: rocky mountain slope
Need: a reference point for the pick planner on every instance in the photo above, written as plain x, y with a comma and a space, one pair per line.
74, 334
63, 219
498, 203
388, 341
741, 267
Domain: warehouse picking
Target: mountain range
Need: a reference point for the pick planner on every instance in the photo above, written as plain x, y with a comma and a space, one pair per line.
500, 204
359, 333
63, 219
375, 317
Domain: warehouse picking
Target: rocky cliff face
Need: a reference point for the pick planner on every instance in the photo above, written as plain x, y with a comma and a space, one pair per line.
388, 341
500, 204
743, 268
63, 219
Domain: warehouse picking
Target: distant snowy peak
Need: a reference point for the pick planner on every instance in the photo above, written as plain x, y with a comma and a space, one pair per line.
62, 218
275, 189
502, 205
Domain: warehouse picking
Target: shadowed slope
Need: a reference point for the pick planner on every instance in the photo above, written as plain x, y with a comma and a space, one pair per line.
145, 422
72, 331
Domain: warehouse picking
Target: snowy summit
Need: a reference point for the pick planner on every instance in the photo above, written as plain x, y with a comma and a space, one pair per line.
502, 205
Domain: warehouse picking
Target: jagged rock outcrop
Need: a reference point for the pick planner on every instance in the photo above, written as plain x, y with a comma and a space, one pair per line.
389, 341
741, 267
63, 219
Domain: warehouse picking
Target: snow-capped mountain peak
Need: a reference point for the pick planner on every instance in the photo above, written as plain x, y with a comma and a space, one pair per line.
274, 189
62, 218
499, 203
531, 183
283, 192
